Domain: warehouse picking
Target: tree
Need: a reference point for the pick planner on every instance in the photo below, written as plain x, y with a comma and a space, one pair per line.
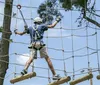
86, 8
4, 43
47, 11
69, 4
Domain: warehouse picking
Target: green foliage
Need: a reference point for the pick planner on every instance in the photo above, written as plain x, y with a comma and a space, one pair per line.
49, 4
1, 29
82, 5
44, 13
66, 4
47, 11
41, 8
69, 4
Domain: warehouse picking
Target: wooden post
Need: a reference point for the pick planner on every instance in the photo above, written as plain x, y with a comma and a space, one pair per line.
61, 81
87, 77
4, 38
91, 81
20, 78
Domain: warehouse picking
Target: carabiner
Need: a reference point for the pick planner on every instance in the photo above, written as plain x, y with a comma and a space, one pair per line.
19, 6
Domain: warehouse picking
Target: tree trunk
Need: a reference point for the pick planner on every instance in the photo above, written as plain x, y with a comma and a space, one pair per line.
4, 44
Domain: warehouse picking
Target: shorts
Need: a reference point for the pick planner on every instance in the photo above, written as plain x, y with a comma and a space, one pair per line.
42, 51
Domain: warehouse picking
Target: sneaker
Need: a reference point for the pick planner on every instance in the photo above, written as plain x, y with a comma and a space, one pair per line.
56, 77
24, 72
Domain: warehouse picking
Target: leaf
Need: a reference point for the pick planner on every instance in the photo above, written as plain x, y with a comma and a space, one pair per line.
1, 29
48, 10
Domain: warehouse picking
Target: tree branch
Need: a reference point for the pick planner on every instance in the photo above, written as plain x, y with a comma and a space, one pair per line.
92, 21
93, 13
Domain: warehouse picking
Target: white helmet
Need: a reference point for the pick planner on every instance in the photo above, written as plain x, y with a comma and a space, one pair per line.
37, 19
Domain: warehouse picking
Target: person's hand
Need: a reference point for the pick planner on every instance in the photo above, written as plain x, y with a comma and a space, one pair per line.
25, 26
58, 18
15, 31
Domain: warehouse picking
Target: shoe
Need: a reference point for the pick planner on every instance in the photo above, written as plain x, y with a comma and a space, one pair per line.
24, 72
56, 77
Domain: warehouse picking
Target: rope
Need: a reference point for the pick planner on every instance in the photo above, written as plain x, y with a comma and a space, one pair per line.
87, 49
16, 23
49, 79
98, 59
63, 53
73, 63
88, 57
64, 58
78, 70
77, 74
32, 36
34, 7
54, 28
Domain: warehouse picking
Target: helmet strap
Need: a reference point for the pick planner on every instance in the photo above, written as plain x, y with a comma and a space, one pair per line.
37, 23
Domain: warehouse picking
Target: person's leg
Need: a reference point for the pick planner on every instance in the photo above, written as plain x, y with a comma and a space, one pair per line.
28, 63
44, 54
50, 65
33, 53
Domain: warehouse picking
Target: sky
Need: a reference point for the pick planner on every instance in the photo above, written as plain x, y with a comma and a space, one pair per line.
20, 46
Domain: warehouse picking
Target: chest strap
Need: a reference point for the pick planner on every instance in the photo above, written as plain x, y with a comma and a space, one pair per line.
37, 35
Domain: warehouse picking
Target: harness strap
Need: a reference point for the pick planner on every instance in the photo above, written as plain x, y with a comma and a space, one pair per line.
41, 46
37, 35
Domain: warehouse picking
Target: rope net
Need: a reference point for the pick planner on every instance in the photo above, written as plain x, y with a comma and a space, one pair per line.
73, 50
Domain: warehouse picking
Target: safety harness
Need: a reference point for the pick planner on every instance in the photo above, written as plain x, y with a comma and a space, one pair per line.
36, 38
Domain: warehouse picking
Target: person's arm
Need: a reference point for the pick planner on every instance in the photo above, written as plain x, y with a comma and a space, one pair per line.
22, 33
54, 23
19, 33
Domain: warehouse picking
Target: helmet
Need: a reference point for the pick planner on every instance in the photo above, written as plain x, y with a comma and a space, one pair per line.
37, 19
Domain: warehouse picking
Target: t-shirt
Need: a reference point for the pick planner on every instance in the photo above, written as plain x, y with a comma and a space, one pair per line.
40, 29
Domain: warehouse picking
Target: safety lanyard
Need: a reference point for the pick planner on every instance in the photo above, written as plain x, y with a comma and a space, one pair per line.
37, 35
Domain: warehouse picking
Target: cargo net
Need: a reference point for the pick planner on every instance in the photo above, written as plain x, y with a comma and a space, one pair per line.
73, 47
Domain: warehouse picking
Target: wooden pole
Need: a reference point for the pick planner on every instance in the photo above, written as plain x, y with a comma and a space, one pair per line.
91, 81
4, 38
87, 77
20, 78
61, 81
